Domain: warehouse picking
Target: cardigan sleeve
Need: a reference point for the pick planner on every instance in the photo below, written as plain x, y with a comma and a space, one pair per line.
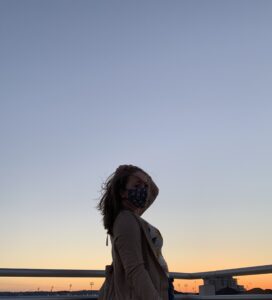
127, 233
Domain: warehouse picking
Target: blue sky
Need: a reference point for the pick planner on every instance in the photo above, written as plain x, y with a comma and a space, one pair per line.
179, 88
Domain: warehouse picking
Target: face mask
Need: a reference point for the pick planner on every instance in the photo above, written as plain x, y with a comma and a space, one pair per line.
137, 196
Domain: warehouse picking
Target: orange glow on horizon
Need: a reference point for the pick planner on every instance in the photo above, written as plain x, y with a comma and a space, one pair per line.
24, 284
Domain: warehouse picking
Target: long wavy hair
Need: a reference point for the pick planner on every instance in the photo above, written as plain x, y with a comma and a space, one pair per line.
110, 202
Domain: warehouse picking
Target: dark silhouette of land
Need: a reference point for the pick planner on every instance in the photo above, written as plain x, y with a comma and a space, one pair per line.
225, 291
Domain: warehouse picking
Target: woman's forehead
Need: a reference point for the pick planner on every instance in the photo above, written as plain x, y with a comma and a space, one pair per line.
139, 176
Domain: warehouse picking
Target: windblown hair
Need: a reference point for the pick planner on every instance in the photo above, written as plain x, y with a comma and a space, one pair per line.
110, 202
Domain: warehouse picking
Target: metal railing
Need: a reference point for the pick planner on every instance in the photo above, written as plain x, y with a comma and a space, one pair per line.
207, 277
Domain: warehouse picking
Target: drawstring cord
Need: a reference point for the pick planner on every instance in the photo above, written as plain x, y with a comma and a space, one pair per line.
107, 240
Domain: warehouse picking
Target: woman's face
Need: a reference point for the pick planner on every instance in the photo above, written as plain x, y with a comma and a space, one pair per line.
136, 180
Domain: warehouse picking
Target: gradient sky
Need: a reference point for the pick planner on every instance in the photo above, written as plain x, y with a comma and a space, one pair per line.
180, 88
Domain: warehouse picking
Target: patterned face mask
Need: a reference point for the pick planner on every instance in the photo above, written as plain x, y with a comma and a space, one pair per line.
138, 196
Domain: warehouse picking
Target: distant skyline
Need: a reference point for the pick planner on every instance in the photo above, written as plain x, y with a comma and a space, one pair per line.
181, 89
88, 291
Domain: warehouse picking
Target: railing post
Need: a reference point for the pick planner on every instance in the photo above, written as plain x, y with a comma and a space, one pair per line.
207, 289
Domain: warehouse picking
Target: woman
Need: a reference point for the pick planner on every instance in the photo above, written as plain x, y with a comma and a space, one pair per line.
138, 270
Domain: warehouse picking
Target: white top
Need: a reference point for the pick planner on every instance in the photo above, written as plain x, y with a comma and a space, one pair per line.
157, 240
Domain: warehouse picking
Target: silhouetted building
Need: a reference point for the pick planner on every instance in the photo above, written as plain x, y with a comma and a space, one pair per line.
212, 286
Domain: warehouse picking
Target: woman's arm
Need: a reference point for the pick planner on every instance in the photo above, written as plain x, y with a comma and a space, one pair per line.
154, 190
128, 243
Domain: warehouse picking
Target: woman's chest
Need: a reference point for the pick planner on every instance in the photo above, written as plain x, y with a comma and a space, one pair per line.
155, 236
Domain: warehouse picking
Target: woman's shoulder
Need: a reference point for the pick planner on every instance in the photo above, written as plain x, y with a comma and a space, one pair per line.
124, 213
124, 218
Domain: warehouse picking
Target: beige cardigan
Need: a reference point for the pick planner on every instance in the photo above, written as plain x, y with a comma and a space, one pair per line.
135, 273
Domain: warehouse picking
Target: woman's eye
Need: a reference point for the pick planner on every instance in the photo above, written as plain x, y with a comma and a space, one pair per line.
138, 185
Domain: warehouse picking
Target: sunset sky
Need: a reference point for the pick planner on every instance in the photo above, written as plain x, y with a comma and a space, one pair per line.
179, 88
